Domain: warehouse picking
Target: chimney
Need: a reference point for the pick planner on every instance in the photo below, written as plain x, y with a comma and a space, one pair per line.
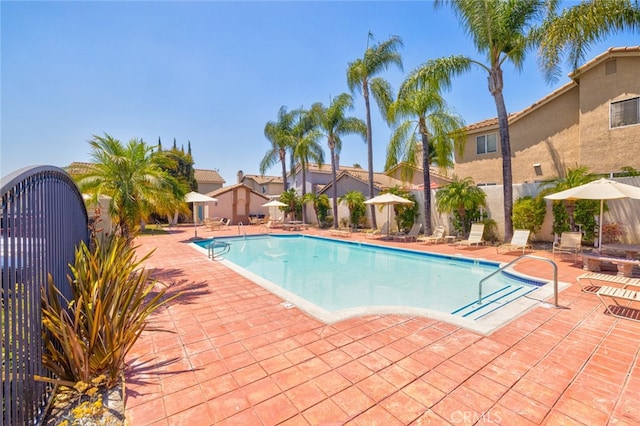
240, 176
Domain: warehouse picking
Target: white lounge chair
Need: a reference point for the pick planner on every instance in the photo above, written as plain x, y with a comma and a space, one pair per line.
475, 236
571, 243
519, 241
411, 236
628, 311
378, 233
436, 237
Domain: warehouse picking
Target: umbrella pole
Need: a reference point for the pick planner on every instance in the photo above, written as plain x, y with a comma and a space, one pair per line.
600, 227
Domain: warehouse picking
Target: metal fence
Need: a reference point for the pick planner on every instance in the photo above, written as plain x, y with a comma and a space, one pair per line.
43, 219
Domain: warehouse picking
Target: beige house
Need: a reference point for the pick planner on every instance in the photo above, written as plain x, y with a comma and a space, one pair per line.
208, 180
592, 121
236, 202
266, 185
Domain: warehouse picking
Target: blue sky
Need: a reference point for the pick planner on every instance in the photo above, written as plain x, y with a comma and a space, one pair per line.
214, 73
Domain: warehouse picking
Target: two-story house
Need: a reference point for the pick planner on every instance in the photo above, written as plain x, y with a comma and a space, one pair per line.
269, 186
591, 121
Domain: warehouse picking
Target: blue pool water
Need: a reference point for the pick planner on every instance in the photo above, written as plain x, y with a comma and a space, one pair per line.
337, 275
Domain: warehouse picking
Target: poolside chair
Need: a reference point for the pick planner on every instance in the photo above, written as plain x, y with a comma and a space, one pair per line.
617, 295
475, 236
411, 236
571, 243
437, 236
519, 241
378, 233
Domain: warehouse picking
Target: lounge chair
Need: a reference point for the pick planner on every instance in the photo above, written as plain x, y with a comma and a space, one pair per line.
411, 236
436, 237
519, 241
571, 243
618, 310
475, 236
593, 286
340, 232
378, 233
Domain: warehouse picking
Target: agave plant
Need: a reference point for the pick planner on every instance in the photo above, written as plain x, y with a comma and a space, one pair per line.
113, 297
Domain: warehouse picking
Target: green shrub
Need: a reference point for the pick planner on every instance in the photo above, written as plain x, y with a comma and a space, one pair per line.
91, 334
528, 213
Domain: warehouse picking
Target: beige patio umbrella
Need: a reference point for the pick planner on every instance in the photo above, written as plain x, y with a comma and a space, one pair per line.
388, 199
601, 189
274, 203
195, 198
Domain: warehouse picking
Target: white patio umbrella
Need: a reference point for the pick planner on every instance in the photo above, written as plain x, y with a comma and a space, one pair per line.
602, 189
274, 203
388, 199
195, 198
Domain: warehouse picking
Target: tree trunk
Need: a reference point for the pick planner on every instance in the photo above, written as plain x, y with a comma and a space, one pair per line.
372, 209
283, 161
427, 180
495, 87
334, 189
304, 191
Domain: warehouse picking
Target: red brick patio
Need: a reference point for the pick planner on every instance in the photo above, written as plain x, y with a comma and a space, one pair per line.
238, 357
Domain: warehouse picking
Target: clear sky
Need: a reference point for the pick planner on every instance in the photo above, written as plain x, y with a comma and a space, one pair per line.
213, 73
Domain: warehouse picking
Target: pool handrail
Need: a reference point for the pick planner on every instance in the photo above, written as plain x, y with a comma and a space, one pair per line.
530, 256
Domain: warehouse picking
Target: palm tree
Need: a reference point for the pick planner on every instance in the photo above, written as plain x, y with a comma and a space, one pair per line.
279, 133
462, 198
306, 147
333, 124
574, 177
429, 128
503, 31
355, 203
580, 25
360, 77
134, 179
321, 205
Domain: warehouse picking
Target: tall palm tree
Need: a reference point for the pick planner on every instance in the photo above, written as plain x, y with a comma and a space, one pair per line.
361, 77
279, 133
132, 176
334, 124
306, 148
429, 128
580, 25
463, 198
503, 30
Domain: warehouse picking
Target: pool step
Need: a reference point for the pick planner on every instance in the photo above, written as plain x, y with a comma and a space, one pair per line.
493, 301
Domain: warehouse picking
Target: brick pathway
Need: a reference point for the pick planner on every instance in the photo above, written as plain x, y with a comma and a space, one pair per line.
238, 357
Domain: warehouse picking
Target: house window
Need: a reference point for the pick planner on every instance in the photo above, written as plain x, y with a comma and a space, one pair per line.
625, 113
486, 143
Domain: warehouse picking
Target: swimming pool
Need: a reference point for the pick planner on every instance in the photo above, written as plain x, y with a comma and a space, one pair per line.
334, 279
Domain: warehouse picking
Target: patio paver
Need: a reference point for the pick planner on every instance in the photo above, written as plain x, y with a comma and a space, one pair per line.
239, 357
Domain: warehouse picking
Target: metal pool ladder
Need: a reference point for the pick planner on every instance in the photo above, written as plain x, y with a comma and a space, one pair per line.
222, 248
529, 256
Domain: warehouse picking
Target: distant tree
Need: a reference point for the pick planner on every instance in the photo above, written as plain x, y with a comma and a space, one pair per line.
429, 128
306, 148
354, 201
321, 206
361, 77
181, 168
293, 202
280, 134
334, 124
462, 198
134, 178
